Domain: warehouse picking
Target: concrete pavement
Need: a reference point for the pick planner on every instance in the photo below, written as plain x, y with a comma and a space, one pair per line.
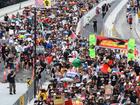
6, 98
100, 22
124, 31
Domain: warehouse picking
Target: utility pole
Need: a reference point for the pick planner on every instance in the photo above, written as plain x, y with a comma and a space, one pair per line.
35, 32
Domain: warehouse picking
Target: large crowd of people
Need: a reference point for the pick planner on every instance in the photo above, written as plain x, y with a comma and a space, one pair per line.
75, 75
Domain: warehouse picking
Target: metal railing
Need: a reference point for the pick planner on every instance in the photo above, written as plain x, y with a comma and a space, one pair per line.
5, 3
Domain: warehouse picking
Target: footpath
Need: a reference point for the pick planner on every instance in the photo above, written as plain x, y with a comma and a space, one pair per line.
6, 98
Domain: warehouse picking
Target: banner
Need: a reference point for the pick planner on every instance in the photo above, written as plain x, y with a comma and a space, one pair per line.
59, 100
92, 53
92, 39
131, 43
131, 49
92, 43
111, 42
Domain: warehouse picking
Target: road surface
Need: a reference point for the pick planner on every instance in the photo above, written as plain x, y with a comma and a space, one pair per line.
6, 98
100, 21
123, 29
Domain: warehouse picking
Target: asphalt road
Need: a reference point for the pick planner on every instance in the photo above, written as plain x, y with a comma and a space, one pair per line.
123, 28
100, 21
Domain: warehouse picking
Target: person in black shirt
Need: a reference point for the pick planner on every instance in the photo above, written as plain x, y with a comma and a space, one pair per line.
7, 28
3, 52
103, 10
95, 25
131, 63
137, 69
11, 80
133, 97
114, 79
6, 17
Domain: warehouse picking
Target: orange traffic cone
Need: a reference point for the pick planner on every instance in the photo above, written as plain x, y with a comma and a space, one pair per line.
8, 69
17, 67
4, 76
33, 74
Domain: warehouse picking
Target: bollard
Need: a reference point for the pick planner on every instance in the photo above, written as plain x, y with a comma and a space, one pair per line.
33, 74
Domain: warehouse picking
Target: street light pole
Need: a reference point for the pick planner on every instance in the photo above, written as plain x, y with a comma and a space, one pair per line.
35, 32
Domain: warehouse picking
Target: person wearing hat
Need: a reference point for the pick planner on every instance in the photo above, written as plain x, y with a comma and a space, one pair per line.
42, 95
11, 80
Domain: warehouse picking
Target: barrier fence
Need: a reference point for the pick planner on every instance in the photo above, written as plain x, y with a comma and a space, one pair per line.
29, 94
4, 3
15, 8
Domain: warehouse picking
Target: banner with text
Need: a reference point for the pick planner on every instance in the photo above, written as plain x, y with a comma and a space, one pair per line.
111, 42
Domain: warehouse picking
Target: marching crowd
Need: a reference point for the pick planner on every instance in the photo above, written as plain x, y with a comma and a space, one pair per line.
107, 79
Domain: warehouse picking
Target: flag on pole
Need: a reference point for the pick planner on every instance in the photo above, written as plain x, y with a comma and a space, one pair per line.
73, 35
42, 3
39, 3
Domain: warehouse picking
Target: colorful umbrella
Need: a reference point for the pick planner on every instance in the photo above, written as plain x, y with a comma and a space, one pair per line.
49, 45
76, 62
22, 31
21, 36
105, 69
66, 79
27, 34
72, 74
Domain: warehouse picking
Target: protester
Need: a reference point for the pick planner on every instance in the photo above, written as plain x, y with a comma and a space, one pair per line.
95, 25
12, 84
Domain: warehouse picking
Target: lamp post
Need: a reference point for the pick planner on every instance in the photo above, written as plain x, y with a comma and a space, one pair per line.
35, 32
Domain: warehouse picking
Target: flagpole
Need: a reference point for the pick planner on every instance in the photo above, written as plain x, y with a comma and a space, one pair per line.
35, 32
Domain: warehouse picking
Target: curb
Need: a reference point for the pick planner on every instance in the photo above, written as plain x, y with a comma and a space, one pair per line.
136, 28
